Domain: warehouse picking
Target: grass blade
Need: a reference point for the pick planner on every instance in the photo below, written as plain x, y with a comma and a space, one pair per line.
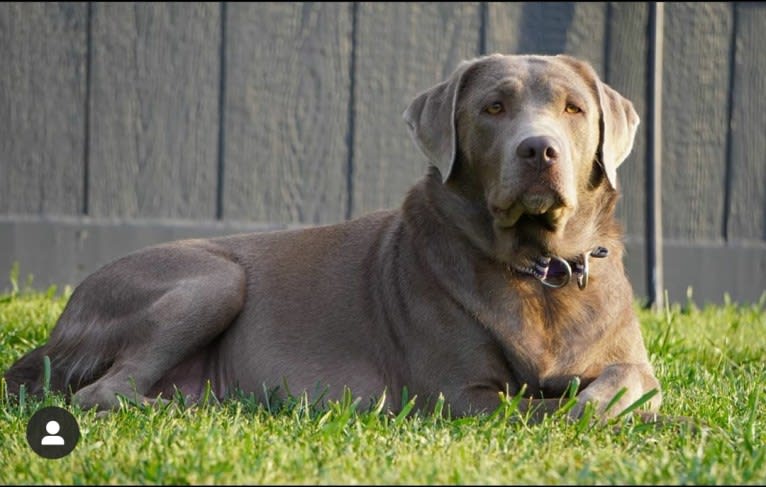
638, 402
616, 398
22, 397
405, 411
381, 402
46, 375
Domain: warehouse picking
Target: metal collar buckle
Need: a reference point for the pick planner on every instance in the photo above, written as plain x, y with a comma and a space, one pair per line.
559, 271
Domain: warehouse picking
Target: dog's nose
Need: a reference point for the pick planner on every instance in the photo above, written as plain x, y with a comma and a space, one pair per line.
541, 151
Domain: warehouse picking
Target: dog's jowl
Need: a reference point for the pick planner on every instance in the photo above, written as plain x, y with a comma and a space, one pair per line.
501, 271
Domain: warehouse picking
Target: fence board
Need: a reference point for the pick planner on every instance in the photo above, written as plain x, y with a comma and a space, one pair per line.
748, 144
626, 71
695, 118
286, 111
154, 109
401, 50
42, 107
575, 28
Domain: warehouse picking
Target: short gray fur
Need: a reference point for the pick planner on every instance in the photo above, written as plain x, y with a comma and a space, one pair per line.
582, 30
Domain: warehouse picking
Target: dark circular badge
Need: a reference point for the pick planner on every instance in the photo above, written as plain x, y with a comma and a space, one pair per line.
52, 432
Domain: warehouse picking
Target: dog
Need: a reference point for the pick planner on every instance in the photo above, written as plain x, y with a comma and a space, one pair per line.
501, 272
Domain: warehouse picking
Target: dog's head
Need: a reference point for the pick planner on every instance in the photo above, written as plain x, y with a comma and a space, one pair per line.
531, 135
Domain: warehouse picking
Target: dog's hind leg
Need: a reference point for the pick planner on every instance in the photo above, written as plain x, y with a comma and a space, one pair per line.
176, 300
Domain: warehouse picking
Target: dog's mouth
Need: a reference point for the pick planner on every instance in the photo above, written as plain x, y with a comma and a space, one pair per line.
547, 221
539, 210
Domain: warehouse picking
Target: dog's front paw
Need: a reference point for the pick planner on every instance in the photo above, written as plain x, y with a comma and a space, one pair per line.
619, 387
606, 405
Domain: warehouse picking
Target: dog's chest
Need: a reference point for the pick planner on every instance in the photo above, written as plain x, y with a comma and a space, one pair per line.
548, 336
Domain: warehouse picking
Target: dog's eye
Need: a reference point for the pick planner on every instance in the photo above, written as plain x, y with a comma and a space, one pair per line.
572, 108
494, 108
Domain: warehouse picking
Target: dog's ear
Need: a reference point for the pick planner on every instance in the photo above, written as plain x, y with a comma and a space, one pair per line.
618, 123
431, 121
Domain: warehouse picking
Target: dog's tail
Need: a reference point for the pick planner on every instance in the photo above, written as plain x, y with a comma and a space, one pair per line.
70, 369
27, 371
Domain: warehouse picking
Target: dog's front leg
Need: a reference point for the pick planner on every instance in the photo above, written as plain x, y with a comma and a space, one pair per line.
637, 379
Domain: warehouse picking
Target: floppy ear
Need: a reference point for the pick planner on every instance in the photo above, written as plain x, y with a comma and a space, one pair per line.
618, 122
431, 121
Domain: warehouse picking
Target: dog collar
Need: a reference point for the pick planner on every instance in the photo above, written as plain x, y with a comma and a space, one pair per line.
555, 272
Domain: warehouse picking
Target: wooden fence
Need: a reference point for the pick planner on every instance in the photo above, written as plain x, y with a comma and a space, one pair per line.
125, 124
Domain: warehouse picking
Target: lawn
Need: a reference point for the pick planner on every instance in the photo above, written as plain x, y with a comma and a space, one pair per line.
710, 361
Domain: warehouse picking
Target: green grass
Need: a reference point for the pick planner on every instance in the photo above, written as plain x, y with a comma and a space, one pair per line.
710, 362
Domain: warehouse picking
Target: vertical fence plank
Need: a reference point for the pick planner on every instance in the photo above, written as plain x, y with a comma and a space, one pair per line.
747, 218
286, 113
626, 71
401, 50
42, 107
574, 28
695, 112
654, 240
154, 109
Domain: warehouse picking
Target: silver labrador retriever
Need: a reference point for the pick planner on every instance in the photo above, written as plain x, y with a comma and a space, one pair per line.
501, 271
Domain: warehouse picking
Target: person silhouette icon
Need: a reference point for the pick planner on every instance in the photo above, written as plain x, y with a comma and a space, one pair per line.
52, 438
52, 432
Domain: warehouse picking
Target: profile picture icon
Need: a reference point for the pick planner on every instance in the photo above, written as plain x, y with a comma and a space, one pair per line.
52, 432
52, 427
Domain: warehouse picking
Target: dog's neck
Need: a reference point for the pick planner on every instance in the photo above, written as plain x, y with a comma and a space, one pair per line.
441, 212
